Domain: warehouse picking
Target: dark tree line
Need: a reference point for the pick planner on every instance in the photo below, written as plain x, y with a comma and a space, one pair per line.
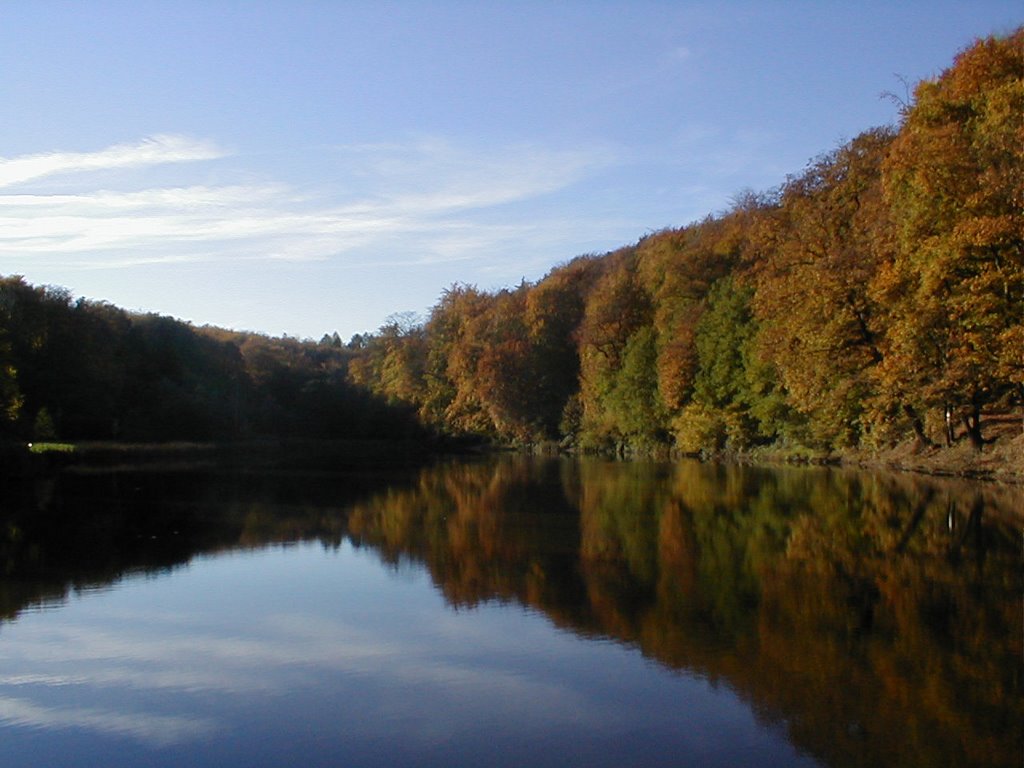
80, 370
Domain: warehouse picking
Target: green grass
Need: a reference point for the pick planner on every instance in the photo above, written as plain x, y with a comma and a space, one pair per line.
51, 448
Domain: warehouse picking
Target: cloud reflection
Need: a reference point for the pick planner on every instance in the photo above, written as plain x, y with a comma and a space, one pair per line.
154, 730
419, 677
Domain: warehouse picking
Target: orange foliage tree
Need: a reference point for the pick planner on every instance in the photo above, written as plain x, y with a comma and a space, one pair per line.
955, 182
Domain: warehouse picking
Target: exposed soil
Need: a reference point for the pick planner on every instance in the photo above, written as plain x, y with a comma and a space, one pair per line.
1001, 458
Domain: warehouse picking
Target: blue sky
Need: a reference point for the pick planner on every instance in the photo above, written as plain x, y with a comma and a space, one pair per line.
305, 167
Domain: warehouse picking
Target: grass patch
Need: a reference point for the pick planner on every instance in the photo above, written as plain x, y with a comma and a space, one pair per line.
51, 448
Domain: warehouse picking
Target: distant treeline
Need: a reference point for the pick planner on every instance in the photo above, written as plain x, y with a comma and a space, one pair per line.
876, 296
81, 370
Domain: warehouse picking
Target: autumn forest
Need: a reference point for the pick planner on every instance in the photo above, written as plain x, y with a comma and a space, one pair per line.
875, 297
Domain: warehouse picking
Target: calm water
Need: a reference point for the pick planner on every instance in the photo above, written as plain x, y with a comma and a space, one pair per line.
511, 612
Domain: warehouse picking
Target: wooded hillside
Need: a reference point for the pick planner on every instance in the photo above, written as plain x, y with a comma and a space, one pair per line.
876, 296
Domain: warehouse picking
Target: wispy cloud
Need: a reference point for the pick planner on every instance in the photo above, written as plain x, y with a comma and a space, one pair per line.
430, 174
387, 197
154, 150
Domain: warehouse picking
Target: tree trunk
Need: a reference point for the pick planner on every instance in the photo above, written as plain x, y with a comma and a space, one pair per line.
972, 421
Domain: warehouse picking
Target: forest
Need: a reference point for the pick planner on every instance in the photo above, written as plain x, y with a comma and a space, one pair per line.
877, 296
79, 370
874, 298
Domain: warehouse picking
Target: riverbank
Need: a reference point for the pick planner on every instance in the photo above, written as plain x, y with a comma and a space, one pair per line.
1000, 461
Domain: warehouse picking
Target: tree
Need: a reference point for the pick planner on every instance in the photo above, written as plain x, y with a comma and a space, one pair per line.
449, 399
677, 269
634, 401
554, 311
819, 326
736, 399
722, 334
955, 182
616, 308
10, 395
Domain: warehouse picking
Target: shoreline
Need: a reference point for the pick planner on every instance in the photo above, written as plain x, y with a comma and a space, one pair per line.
1001, 462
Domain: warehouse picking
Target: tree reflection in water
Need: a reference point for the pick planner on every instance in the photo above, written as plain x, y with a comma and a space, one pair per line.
876, 617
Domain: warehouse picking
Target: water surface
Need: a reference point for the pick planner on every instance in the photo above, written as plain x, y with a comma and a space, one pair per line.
511, 612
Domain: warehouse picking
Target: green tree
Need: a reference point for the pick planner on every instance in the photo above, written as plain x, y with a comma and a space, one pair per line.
616, 308
722, 334
736, 401
634, 401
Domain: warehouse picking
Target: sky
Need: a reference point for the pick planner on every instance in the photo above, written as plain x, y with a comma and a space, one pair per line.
302, 167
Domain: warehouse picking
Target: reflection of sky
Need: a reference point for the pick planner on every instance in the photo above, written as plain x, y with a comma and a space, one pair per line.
309, 656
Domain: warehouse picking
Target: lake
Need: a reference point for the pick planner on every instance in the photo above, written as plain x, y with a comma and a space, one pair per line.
510, 611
